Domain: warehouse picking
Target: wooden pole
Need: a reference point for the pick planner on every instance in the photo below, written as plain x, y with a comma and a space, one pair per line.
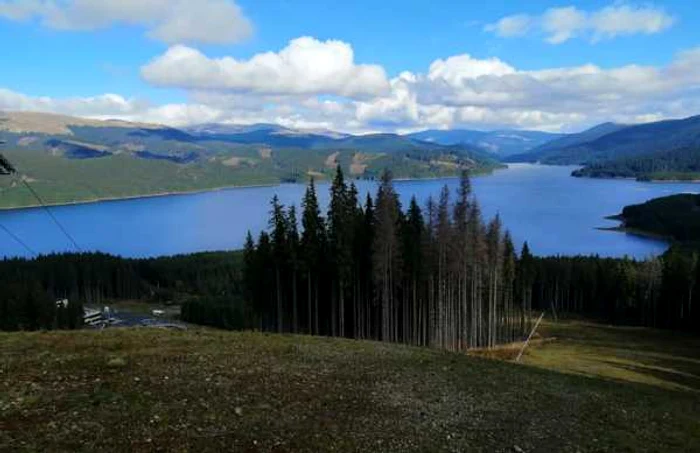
520, 354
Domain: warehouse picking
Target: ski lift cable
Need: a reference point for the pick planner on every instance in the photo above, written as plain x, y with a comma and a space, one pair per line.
7, 168
18, 240
48, 211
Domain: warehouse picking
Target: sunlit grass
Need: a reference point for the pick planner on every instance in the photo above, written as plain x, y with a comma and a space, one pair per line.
648, 356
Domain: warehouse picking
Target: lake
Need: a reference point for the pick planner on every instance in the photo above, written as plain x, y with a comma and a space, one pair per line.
556, 213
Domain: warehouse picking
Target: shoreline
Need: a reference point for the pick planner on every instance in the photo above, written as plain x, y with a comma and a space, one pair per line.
638, 232
200, 191
632, 178
138, 197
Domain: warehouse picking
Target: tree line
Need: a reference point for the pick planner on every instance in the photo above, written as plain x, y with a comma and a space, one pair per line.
30, 289
662, 292
370, 269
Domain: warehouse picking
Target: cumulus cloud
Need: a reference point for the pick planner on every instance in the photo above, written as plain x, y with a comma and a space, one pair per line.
305, 66
460, 91
105, 104
111, 106
170, 21
559, 25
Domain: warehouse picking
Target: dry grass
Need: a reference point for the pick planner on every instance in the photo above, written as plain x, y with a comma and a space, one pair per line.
203, 390
666, 359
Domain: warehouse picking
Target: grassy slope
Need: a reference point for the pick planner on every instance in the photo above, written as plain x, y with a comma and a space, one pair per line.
206, 390
60, 180
669, 360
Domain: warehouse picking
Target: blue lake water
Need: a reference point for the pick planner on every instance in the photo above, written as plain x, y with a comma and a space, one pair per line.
554, 212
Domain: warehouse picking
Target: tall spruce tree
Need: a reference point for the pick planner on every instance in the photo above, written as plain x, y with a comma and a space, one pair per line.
313, 246
293, 250
280, 247
387, 255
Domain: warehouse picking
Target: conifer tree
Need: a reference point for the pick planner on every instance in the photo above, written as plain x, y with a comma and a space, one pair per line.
280, 247
386, 253
293, 250
313, 245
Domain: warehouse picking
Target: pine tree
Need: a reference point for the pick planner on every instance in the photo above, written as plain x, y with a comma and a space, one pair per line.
313, 246
280, 247
341, 215
365, 259
265, 260
508, 329
413, 239
250, 272
293, 250
526, 279
386, 254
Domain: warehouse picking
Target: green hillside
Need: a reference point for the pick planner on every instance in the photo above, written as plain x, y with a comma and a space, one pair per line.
74, 160
202, 390
608, 142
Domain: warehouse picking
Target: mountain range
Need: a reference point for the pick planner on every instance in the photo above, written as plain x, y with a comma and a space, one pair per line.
610, 141
662, 150
74, 159
502, 143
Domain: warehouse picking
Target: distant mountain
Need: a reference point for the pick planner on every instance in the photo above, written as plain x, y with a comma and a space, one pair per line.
267, 134
613, 141
232, 129
213, 129
588, 135
502, 143
385, 142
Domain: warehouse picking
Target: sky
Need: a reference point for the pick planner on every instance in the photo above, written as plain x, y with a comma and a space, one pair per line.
359, 66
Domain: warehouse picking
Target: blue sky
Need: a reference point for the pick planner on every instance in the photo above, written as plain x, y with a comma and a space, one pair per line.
364, 66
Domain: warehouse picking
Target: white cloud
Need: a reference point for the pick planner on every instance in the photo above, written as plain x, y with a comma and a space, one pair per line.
463, 91
102, 105
170, 21
628, 20
562, 24
458, 91
559, 25
305, 66
511, 26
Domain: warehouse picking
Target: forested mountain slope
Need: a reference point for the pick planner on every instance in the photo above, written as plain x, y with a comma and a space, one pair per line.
610, 141
675, 216
503, 143
680, 164
73, 159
